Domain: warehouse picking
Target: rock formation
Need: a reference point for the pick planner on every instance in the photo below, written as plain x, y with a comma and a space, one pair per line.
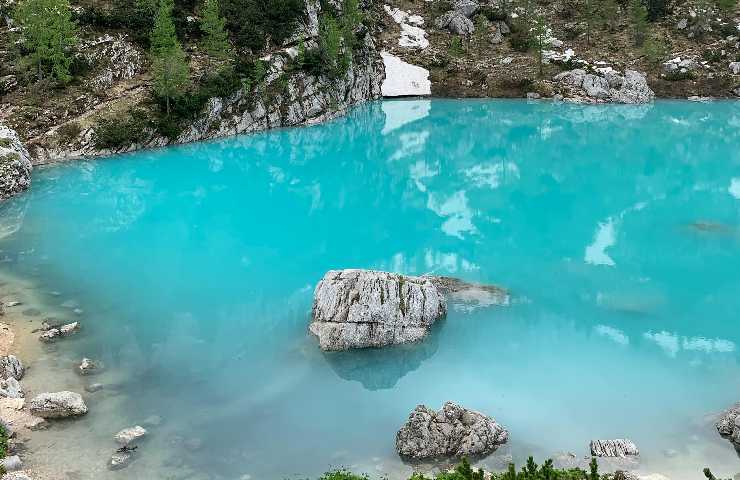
11, 366
728, 425
130, 435
607, 86
15, 164
613, 448
453, 431
58, 405
366, 308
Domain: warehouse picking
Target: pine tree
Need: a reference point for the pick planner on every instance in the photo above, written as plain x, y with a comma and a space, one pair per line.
639, 16
597, 13
539, 38
215, 39
48, 33
171, 72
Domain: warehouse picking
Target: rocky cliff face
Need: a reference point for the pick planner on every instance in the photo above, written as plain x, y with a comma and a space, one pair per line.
15, 164
284, 98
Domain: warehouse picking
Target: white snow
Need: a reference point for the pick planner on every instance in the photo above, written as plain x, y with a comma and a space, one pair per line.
412, 36
403, 79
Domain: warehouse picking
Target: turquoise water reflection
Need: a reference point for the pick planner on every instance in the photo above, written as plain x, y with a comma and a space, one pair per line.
617, 230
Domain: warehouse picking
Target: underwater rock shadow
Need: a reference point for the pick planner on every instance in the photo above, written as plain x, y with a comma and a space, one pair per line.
382, 368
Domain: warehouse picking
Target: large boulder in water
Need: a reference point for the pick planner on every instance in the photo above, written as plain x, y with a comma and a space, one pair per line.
58, 405
368, 308
15, 164
453, 431
728, 425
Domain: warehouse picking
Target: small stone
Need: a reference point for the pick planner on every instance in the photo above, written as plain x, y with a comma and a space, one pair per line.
682, 24
11, 464
58, 405
89, 367
13, 303
507, 60
119, 460
69, 329
11, 366
78, 311
50, 335
735, 68
10, 388
127, 436
533, 96
94, 387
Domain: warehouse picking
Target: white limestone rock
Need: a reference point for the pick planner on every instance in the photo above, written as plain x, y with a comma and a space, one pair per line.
453, 431
11, 366
15, 164
456, 22
613, 448
89, 367
58, 405
130, 435
728, 425
119, 460
735, 68
367, 308
604, 86
403, 79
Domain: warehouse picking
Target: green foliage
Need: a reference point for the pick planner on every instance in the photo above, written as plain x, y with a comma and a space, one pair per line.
351, 18
596, 14
539, 36
170, 67
342, 475
215, 39
520, 37
727, 7
336, 59
456, 48
118, 131
639, 16
48, 34
657, 9
655, 50
254, 23
3, 441
135, 16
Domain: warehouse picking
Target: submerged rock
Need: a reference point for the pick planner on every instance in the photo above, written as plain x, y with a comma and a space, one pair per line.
89, 367
119, 460
607, 86
468, 296
94, 387
367, 308
58, 405
54, 333
453, 431
130, 435
613, 448
11, 366
15, 164
728, 425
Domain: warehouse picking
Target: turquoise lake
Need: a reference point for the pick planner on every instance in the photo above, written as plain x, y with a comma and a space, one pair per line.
615, 228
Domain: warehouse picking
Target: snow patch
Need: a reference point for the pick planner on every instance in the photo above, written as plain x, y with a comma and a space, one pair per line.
403, 79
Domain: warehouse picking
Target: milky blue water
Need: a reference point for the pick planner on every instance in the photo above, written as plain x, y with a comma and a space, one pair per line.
616, 229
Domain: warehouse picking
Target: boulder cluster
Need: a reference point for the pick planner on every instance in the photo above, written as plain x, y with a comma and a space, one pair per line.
604, 86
